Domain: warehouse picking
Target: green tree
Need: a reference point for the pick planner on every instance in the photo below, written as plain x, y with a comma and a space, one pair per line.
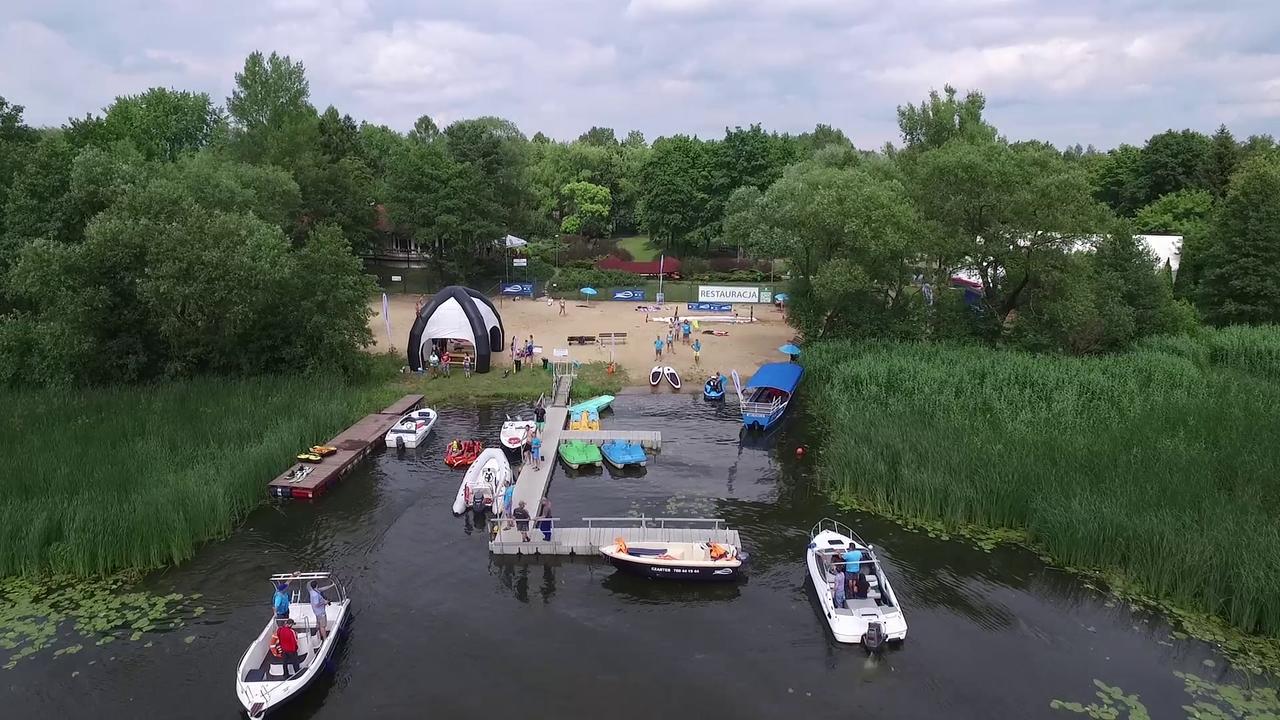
1242, 275
676, 191
424, 130
1117, 179
1175, 160
162, 124
1188, 213
942, 118
271, 113
599, 137
1224, 158
338, 135
587, 209
16, 138
635, 140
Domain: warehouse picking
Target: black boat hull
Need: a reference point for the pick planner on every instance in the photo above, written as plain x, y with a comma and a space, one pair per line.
676, 572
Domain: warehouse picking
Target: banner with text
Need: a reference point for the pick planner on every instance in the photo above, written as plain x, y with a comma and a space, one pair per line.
628, 293
728, 293
711, 307
525, 289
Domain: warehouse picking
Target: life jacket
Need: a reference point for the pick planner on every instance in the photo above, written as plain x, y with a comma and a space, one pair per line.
276, 649
718, 552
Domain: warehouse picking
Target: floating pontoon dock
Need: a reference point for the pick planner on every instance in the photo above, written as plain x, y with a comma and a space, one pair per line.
353, 445
587, 540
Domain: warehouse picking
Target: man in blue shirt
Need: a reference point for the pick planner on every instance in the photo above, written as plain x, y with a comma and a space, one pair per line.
852, 569
281, 600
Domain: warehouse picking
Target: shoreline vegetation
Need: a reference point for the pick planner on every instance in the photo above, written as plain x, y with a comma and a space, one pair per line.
137, 478
1151, 470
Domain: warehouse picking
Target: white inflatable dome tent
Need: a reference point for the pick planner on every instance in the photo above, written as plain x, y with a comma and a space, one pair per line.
456, 313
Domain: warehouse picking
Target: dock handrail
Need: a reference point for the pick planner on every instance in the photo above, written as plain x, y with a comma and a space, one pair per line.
716, 523
759, 408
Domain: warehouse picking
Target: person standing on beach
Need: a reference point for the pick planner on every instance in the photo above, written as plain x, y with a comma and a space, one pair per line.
562, 312
697, 351
671, 343
657, 348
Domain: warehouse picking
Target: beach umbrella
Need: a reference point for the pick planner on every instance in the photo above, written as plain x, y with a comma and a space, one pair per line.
589, 292
781, 297
789, 349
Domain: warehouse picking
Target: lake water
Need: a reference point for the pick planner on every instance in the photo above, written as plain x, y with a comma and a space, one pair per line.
441, 628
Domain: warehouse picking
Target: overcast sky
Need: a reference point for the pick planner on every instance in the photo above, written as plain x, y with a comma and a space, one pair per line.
1088, 71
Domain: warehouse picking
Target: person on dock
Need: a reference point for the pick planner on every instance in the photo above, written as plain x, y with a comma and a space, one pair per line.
540, 417
697, 352
508, 496
544, 518
319, 605
280, 601
522, 521
535, 450
526, 447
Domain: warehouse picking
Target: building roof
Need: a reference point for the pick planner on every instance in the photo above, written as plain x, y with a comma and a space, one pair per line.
648, 267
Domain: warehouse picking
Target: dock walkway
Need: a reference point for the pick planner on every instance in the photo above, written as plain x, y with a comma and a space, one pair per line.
588, 540
353, 445
531, 484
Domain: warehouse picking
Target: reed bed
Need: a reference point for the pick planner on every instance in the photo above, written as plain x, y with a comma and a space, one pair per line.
1160, 464
97, 481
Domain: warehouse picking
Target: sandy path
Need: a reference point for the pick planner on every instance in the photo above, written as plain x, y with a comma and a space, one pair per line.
745, 348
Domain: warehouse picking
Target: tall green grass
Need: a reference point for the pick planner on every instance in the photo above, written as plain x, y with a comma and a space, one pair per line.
100, 480
1160, 464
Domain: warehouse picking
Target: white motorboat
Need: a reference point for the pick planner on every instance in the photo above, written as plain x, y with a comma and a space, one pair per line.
412, 429
706, 561
870, 620
515, 433
484, 481
261, 683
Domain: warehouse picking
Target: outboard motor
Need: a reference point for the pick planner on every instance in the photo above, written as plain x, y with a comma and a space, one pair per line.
874, 638
399, 443
477, 503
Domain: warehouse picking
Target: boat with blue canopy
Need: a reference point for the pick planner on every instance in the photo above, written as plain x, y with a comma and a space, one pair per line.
624, 453
765, 398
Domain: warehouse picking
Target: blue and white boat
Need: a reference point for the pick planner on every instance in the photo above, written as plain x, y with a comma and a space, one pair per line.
624, 453
711, 393
766, 396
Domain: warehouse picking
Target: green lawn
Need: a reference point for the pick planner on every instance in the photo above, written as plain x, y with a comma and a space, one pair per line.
639, 247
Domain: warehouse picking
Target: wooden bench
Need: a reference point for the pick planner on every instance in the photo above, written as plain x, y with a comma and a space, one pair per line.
581, 339
613, 338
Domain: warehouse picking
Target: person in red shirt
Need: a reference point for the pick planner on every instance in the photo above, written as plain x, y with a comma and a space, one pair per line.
287, 640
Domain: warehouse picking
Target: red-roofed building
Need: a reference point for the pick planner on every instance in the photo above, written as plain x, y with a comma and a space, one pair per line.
651, 268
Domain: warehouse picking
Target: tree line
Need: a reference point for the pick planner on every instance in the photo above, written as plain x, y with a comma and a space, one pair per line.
172, 235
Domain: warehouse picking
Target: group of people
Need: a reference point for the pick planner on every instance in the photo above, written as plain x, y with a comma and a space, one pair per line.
677, 330
521, 350
441, 361
284, 641
851, 581
531, 450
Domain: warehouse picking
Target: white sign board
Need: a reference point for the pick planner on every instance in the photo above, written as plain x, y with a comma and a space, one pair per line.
560, 352
520, 262
728, 293
395, 278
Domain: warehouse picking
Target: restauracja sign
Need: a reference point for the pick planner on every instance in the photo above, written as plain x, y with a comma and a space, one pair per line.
728, 293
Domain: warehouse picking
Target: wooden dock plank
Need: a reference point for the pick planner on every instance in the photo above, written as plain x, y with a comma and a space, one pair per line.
402, 406
531, 484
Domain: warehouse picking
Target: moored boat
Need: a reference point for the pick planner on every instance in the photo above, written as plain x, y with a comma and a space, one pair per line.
713, 388
870, 614
624, 453
514, 434
412, 429
462, 453
768, 393
261, 682
672, 376
599, 404
584, 420
576, 453
486, 477
706, 561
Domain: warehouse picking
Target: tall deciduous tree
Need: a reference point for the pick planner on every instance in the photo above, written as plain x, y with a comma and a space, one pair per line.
161, 123
271, 113
587, 209
1242, 281
943, 118
1175, 160
675, 190
1118, 181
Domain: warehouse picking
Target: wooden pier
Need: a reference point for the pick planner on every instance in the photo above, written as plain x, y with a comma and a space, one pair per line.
648, 439
531, 483
353, 445
586, 541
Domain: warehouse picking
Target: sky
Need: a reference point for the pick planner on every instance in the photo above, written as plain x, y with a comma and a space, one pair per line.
1066, 71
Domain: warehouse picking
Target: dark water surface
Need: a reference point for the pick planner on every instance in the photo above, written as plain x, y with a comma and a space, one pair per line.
442, 628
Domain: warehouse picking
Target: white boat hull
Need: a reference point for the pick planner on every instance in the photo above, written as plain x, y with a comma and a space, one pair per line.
412, 429
512, 434
475, 481
849, 623
260, 695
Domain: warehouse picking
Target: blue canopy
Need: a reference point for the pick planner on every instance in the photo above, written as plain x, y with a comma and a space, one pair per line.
782, 376
789, 349
588, 291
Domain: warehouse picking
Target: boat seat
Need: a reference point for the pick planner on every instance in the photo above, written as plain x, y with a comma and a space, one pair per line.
276, 667
857, 604
255, 675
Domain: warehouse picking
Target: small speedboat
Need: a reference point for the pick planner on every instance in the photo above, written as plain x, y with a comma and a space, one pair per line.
713, 388
655, 375
484, 480
412, 429
261, 683
576, 453
870, 620
672, 376
624, 453
514, 434
705, 561
585, 420
462, 453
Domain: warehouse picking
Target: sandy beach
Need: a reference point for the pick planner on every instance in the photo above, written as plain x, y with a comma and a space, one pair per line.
745, 347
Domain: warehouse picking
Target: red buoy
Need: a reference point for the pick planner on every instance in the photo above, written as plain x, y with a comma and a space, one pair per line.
799, 451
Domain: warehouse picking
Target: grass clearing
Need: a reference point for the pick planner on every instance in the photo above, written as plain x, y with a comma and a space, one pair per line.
639, 247
1156, 465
